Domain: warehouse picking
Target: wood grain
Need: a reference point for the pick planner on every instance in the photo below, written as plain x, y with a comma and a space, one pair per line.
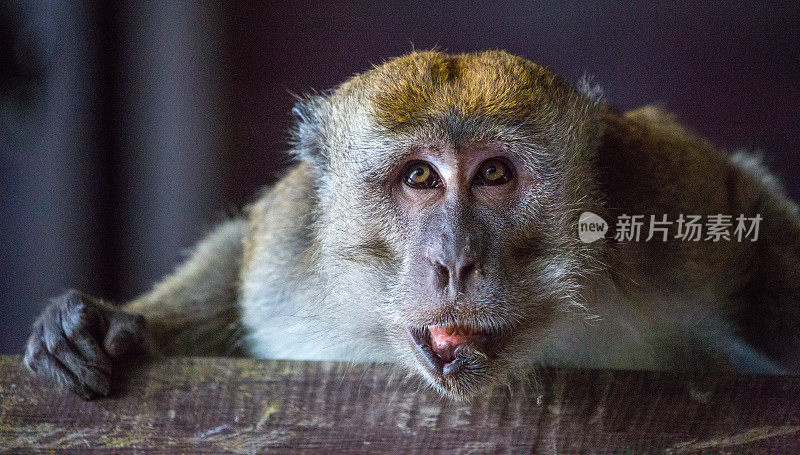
209, 405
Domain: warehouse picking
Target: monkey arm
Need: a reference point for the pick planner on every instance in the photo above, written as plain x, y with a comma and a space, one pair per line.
82, 342
194, 310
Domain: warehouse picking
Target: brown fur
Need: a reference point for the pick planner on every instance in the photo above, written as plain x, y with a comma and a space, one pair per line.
647, 163
495, 86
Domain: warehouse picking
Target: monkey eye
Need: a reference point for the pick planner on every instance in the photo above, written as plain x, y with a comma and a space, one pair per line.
494, 171
420, 175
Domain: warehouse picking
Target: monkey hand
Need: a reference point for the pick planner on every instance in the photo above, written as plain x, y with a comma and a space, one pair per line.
78, 341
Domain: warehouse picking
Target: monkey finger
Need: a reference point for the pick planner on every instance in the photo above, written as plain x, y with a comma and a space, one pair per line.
77, 329
45, 365
91, 351
126, 334
92, 379
34, 349
84, 372
71, 317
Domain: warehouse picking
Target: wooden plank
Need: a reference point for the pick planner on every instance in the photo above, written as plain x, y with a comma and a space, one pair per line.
207, 405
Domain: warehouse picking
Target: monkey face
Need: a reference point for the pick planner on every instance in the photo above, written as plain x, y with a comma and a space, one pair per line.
449, 191
459, 207
457, 260
476, 256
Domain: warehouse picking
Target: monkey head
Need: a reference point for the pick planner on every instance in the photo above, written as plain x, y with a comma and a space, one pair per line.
448, 191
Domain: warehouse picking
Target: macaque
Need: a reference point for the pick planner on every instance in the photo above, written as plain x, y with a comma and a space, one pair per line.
432, 220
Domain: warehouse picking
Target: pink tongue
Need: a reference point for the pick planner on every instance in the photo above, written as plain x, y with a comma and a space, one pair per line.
444, 345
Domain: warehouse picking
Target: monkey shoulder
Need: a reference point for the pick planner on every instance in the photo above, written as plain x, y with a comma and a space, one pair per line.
279, 287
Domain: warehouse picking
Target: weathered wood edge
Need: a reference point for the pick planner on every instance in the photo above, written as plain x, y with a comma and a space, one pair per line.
208, 405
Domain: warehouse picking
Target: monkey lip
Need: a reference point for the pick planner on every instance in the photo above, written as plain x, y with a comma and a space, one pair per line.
443, 347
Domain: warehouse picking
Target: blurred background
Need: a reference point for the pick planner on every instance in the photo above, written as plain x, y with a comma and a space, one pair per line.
128, 129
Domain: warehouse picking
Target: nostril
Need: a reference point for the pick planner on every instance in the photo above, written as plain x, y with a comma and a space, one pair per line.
443, 273
466, 270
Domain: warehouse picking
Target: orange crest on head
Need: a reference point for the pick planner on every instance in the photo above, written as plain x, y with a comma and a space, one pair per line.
489, 85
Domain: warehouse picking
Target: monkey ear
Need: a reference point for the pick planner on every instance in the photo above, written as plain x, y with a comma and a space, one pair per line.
590, 89
307, 133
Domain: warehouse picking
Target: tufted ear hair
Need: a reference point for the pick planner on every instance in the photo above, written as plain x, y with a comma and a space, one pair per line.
307, 132
590, 89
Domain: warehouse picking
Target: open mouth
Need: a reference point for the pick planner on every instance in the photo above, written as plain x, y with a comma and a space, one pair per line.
446, 349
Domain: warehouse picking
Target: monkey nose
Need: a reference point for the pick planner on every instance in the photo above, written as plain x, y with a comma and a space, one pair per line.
454, 275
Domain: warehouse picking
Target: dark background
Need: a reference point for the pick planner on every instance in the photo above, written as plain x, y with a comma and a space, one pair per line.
128, 129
